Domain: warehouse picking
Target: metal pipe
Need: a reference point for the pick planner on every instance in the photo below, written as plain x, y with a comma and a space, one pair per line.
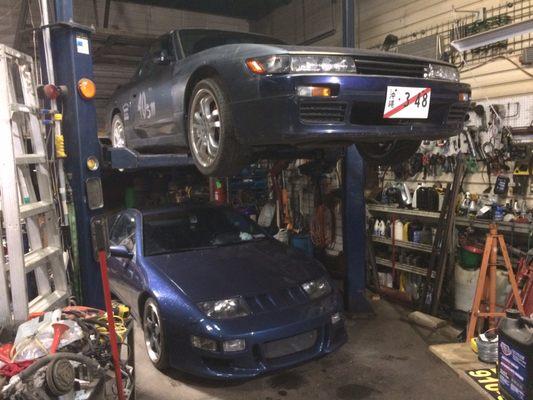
47, 47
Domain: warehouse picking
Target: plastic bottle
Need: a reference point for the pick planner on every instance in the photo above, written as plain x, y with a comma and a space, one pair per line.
414, 195
382, 228
376, 228
398, 230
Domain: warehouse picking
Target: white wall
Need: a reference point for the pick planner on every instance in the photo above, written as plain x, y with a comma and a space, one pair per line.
377, 18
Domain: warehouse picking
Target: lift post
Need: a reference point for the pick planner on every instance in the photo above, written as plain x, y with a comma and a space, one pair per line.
354, 213
71, 52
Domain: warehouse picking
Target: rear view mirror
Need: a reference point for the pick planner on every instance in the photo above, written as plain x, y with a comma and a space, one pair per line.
120, 251
162, 58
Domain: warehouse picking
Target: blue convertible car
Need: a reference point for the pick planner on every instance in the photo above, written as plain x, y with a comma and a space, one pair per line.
225, 96
217, 297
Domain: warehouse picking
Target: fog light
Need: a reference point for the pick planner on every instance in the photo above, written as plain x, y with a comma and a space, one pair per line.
233, 345
313, 91
203, 343
337, 317
464, 97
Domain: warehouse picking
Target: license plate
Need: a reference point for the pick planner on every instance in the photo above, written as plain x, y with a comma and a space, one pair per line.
407, 102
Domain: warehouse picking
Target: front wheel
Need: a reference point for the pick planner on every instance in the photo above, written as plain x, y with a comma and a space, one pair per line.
391, 152
154, 335
212, 138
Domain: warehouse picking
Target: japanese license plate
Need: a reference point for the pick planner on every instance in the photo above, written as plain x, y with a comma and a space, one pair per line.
407, 102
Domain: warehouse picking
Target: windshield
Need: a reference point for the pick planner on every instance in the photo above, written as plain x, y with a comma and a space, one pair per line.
196, 40
196, 228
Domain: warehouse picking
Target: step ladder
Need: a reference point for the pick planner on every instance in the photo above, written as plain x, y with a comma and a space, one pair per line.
28, 219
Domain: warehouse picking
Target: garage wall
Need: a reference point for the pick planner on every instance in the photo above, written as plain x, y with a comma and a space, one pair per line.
316, 22
377, 18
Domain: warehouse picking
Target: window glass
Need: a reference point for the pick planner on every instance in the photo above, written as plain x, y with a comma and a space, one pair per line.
123, 231
148, 66
197, 227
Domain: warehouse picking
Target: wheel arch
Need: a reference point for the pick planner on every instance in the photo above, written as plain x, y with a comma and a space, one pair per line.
143, 298
203, 72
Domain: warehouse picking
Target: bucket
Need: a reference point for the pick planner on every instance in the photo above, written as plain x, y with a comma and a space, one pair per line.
465, 287
470, 257
302, 242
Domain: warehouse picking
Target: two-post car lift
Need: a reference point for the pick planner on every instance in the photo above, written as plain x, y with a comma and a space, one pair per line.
71, 50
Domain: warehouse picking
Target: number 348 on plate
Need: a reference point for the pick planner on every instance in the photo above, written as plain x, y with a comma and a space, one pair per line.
407, 102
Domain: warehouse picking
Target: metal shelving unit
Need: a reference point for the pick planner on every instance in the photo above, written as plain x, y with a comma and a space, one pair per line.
402, 266
427, 248
505, 227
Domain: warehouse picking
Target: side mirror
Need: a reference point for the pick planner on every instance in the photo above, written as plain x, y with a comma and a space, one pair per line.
120, 251
162, 58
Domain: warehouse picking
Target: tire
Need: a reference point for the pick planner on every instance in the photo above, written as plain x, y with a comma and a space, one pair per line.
388, 153
210, 131
154, 335
118, 134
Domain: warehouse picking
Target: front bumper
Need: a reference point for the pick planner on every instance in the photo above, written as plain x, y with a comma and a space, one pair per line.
259, 333
355, 113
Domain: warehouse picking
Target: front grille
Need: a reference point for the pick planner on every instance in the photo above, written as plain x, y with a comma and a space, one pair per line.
322, 112
370, 65
291, 345
277, 300
457, 113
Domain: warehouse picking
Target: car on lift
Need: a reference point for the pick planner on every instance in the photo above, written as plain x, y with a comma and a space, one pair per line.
219, 298
226, 97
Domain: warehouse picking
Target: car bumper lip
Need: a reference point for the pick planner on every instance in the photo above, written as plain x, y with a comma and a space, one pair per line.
359, 95
254, 360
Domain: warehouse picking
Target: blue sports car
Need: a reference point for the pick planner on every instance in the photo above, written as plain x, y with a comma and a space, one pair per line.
217, 297
227, 96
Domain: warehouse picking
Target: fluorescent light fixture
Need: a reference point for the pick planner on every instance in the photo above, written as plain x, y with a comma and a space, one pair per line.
493, 36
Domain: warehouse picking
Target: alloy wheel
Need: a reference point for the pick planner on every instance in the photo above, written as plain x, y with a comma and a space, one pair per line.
205, 127
118, 138
152, 333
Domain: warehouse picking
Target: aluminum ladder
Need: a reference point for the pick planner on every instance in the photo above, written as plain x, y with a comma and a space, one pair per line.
28, 212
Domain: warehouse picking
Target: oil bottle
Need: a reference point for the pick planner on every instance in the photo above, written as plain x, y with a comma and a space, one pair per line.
515, 356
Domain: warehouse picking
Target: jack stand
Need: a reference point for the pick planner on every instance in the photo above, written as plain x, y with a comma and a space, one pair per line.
486, 284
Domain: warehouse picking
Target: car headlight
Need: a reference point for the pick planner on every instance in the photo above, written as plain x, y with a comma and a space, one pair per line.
326, 63
282, 64
317, 288
442, 72
225, 309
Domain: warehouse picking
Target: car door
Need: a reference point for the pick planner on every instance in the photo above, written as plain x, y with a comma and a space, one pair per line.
152, 96
122, 270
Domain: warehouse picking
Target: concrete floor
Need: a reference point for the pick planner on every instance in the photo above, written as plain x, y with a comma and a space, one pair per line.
385, 358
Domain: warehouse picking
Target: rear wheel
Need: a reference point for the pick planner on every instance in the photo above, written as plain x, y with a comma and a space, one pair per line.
118, 136
391, 152
154, 335
212, 138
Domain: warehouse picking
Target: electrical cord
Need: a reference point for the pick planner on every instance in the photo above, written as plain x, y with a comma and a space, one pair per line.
518, 66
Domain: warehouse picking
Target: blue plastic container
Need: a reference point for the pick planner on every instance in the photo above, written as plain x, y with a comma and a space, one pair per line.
302, 242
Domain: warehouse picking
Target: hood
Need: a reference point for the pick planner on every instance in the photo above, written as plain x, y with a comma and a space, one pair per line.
244, 269
355, 52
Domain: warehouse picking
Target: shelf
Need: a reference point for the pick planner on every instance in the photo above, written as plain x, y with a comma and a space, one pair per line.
402, 211
427, 248
509, 227
506, 227
403, 267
